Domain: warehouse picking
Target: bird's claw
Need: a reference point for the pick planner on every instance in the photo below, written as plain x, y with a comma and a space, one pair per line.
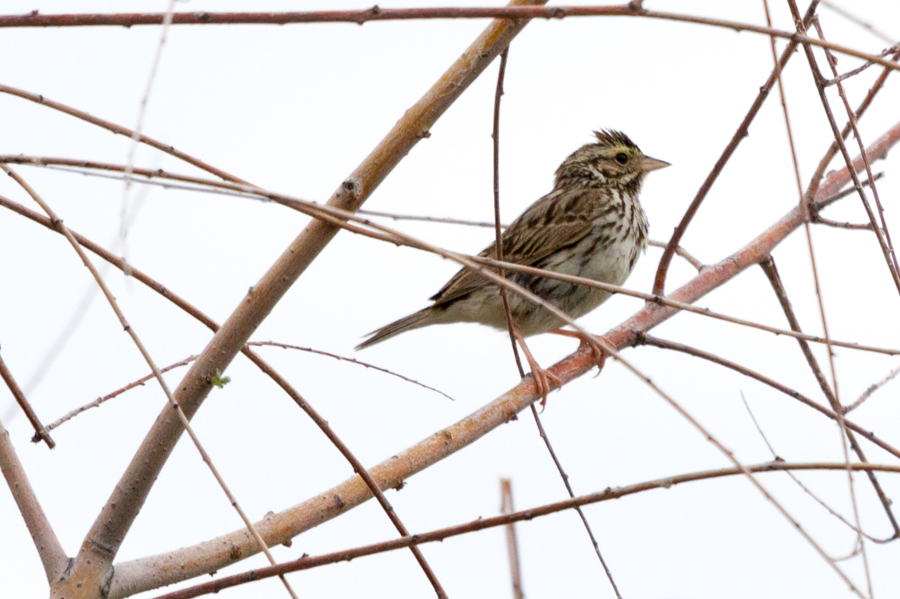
544, 381
586, 340
596, 349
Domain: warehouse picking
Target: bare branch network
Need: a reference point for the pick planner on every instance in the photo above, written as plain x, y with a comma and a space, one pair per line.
817, 332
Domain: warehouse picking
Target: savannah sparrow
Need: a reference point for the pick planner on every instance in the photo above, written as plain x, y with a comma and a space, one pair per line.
591, 225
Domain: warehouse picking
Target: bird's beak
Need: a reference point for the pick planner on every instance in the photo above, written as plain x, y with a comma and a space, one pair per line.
651, 164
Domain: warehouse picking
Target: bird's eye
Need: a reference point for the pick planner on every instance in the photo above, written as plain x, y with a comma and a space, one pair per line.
621, 157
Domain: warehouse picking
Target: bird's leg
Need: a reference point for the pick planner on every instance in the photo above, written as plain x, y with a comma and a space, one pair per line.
543, 379
597, 349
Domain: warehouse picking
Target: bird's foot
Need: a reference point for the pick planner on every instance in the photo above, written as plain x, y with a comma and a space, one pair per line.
586, 340
544, 381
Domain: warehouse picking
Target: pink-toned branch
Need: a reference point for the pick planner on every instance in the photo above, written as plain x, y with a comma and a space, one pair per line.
340, 218
337, 217
131, 577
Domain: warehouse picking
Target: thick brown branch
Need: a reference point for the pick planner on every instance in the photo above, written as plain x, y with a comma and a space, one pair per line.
255, 358
279, 528
114, 521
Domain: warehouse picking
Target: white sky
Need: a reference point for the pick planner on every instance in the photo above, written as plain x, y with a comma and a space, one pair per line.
295, 109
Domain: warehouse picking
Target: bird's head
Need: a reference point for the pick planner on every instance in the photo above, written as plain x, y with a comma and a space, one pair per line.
614, 161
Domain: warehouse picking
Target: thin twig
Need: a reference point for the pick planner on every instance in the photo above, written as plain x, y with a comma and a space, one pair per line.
119, 130
771, 272
511, 325
372, 486
883, 240
151, 572
851, 119
839, 139
309, 562
680, 251
41, 432
339, 218
815, 209
659, 283
584, 522
512, 545
853, 18
130, 493
839, 225
498, 241
135, 137
644, 339
346, 359
813, 188
431, 219
94, 567
806, 489
376, 13
101, 400
872, 389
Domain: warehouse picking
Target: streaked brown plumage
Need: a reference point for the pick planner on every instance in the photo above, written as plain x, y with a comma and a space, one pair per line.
591, 225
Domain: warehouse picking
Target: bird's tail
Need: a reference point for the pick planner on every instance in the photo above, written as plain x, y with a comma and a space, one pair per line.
413, 321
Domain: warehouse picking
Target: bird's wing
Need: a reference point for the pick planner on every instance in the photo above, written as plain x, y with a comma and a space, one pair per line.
559, 219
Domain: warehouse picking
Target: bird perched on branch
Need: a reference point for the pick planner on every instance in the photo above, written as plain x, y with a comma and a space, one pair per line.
591, 225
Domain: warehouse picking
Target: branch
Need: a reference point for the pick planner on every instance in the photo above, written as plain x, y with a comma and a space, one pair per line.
771, 271
512, 545
376, 13
108, 531
644, 339
872, 389
119, 130
307, 563
340, 218
53, 557
40, 431
659, 283
839, 140
134, 576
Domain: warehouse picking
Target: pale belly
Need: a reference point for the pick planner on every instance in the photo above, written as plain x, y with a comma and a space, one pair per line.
610, 264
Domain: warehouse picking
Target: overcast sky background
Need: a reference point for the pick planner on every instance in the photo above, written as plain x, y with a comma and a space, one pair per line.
295, 109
